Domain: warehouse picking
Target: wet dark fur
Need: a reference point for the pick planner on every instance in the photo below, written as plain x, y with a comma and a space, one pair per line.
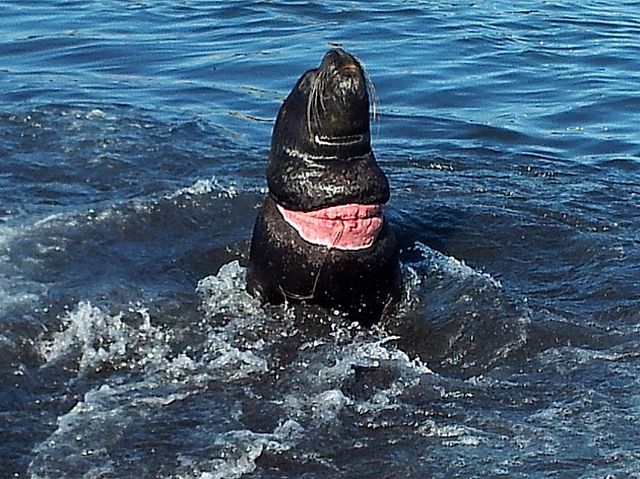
321, 156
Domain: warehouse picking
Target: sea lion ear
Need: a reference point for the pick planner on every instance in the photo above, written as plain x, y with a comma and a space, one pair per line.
306, 80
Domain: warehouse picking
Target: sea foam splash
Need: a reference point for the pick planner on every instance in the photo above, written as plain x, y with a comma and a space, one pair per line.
245, 399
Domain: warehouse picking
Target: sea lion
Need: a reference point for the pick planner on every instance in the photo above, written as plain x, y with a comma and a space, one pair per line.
320, 235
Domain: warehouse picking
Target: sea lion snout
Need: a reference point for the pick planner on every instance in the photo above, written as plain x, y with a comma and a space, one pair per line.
347, 75
338, 105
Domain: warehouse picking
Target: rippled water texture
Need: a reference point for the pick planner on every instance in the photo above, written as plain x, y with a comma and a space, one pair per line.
133, 146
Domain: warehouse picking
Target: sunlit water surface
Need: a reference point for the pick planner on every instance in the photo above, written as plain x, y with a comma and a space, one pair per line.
133, 145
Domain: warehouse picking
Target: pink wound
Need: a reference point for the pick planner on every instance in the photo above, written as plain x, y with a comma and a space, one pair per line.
347, 227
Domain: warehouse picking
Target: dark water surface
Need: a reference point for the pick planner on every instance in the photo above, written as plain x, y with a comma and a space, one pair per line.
133, 145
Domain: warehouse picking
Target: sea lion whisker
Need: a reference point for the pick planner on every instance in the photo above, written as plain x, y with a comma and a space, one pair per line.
373, 97
324, 76
309, 106
317, 100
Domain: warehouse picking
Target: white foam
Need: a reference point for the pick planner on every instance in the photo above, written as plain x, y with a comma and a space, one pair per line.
233, 362
205, 187
99, 338
450, 435
16, 291
451, 266
224, 294
96, 114
319, 396
326, 405
240, 449
238, 337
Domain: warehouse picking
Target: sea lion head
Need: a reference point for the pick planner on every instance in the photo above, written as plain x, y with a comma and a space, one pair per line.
321, 144
338, 102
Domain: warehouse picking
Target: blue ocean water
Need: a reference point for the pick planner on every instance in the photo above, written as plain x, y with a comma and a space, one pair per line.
133, 145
